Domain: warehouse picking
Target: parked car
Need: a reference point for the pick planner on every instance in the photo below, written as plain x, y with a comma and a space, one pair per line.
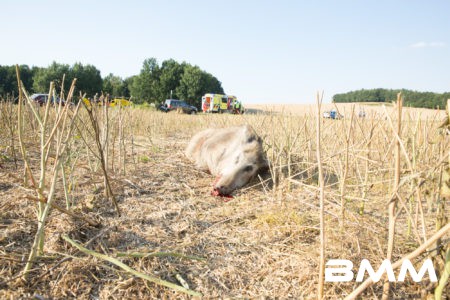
163, 108
173, 104
362, 114
41, 99
332, 114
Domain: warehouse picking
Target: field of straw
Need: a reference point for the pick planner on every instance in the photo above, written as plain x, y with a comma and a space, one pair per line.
373, 109
100, 203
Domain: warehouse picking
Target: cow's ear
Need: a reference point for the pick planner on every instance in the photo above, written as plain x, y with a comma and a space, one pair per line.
248, 130
251, 136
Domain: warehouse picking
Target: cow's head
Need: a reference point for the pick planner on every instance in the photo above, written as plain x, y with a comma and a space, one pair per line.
242, 162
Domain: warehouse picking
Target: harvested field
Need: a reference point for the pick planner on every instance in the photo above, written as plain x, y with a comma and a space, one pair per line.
372, 109
263, 243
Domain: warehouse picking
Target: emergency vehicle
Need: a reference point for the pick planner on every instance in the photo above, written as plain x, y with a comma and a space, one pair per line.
217, 103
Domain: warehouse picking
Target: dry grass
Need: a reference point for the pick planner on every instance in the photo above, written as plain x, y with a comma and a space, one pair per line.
371, 108
262, 244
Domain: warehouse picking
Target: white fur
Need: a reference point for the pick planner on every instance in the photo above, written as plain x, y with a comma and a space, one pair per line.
234, 155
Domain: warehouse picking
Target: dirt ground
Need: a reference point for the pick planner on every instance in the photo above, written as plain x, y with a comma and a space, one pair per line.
263, 243
165, 208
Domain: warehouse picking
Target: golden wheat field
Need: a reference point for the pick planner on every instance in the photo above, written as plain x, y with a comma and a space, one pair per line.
372, 109
101, 203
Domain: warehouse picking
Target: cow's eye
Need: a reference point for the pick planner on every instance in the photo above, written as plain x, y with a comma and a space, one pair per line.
248, 169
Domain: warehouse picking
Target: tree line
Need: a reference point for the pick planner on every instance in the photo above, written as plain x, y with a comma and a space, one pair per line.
411, 98
155, 82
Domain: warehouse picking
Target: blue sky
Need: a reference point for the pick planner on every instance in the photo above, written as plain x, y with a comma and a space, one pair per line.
262, 51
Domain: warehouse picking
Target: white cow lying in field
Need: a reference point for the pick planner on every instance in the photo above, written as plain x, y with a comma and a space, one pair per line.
234, 155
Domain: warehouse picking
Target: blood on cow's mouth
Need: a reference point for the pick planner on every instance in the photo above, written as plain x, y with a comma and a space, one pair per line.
216, 192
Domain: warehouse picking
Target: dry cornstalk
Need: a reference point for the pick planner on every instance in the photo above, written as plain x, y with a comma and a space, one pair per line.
48, 141
393, 202
132, 271
101, 155
67, 212
320, 288
445, 275
346, 167
368, 282
23, 150
411, 169
7, 114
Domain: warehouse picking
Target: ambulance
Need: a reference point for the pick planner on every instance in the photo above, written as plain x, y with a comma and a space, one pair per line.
217, 103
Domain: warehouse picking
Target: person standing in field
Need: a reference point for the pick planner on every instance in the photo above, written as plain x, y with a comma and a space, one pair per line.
237, 107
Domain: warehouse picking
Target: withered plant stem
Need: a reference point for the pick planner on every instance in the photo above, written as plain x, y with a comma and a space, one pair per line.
346, 168
130, 270
368, 282
320, 287
393, 202
108, 190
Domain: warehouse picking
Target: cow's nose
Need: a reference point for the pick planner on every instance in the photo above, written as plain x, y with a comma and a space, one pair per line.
221, 189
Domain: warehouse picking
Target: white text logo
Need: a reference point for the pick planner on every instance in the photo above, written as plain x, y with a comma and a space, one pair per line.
340, 270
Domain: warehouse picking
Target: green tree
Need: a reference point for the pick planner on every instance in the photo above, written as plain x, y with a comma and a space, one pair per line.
54, 72
153, 84
115, 86
411, 98
89, 80
127, 83
8, 79
195, 83
211, 84
191, 84
181, 81
169, 80
145, 86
